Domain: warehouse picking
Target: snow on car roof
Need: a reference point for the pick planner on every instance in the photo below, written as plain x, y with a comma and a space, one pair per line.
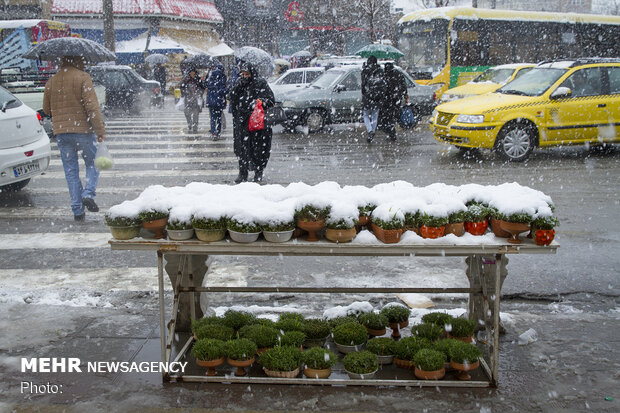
514, 65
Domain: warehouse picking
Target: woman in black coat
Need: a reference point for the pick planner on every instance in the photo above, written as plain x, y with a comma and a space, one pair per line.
251, 148
395, 98
191, 90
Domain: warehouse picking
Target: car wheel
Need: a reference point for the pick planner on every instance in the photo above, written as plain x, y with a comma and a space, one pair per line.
15, 186
315, 120
516, 141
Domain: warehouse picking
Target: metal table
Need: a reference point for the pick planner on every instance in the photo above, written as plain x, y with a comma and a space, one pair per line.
485, 269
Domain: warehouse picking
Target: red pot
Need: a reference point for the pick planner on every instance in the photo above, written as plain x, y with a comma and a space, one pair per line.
544, 236
477, 228
432, 232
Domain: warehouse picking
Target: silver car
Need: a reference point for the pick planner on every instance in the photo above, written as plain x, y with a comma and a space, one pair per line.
336, 97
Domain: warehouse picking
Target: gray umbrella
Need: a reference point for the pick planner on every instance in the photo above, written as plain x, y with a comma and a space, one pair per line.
302, 53
199, 61
156, 58
261, 60
70, 46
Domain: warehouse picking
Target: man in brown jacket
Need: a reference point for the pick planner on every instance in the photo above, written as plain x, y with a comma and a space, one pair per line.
70, 99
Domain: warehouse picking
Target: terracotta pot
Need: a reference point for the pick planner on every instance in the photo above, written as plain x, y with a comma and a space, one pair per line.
463, 339
387, 236
363, 220
429, 375
476, 228
210, 235
240, 365
285, 374
464, 368
375, 333
340, 235
125, 233
495, 227
413, 229
514, 228
298, 232
396, 328
262, 350
432, 232
157, 226
544, 236
404, 364
457, 229
317, 373
211, 365
312, 227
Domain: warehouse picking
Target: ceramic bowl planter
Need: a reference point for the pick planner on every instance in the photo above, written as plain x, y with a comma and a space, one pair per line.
157, 226
317, 331
350, 337
429, 364
476, 228
180, 234
497, 230
544, 236
317, 373
125, 233
318, 362
383, 347
278, 236
464, 369
238, 351
404, 364
209, 353
543, 229
340, 235
361, 366
464, 358
432, 232
211, 365
243, 237
514, 229
429, 375
456, 228
398, 317
210, 235
312, 227
240, 365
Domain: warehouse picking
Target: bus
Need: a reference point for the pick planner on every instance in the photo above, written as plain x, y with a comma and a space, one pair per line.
449, 46
17, 36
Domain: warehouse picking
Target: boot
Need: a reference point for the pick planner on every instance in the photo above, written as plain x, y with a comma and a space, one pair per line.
258, 176
243, 173
371, 136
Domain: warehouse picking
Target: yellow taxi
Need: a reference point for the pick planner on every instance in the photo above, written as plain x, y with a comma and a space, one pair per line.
488, 81
555, 103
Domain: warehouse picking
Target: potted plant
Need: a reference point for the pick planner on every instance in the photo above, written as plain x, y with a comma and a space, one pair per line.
336, 321
154, 220
444, 345
456, 223
240, 354
237, 319
383, 347
429, 331
429, 364
292, 338
406, 348
290, 324
243, 231
398, 317
364, 214
311, 218
209, 353
375, 323
265, 337
361, 365
179, 230
350, 337
215, 331
412, 221
432, 226
464, 357
196, 324
543, 229
278, 231
515, 224
317, 332
439, 319
475, 219
318, 362
463, 329
341, 230
264, 322
291, 315
123, 227
495, 218
281, 361
209, 229
388, 223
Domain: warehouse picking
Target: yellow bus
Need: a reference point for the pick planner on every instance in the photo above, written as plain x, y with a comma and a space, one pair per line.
449, 46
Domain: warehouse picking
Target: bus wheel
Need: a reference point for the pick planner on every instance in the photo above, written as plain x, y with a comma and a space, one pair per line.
315, 120
516, 141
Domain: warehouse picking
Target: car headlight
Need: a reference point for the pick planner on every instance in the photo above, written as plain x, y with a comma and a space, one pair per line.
470, 118
288, 104
434, 116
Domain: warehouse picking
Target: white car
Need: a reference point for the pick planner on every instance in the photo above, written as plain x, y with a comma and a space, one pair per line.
25, 149
295, 78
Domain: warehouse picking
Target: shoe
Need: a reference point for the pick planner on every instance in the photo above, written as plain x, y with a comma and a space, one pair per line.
195, 130
79, 218
371, 136
243, 177
90, 204
258, 176
216, 137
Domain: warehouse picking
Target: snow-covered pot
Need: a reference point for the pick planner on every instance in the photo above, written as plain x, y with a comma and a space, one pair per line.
125, 233
210, 235
278, 236
340, 235
243, 237
455, 228
180, 234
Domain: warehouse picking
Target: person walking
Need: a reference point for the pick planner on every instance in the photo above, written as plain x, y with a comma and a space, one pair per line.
395, 97
251, 148
159, 74
191, 90
216, 98
373, 89
69, 98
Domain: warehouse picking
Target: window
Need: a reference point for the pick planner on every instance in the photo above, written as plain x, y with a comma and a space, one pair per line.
584, 82
614, 80
292, 78
312, 74
353, 81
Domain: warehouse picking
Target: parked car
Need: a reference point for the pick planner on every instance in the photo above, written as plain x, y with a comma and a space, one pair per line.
125, 88
24, 146
556, 103
488, 81
295, 78
336, 97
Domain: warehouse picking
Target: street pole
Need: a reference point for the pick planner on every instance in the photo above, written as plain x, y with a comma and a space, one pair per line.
474, 3
108, 25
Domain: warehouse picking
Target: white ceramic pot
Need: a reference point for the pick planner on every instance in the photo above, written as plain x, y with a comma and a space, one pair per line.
385, 359
180, 234
356, 376
279, 236
243, 237
350, 349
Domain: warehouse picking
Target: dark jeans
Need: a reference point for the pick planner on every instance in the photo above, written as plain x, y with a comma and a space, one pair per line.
191, 114
216, 120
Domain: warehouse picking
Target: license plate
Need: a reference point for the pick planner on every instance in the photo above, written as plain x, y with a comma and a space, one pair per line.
26, 168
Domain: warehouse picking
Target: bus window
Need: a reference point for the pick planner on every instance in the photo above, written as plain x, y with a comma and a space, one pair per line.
466, 43
424, 45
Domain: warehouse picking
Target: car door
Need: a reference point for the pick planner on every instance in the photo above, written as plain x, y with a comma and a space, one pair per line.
346, 97
578, 117
612, 132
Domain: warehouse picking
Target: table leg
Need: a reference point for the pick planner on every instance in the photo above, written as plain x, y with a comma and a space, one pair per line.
162, 314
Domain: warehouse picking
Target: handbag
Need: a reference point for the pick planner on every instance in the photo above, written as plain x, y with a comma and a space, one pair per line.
274, 116
257, 118
407, 119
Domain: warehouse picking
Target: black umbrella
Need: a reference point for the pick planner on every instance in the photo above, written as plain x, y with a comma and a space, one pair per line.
70, 46
199, 61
